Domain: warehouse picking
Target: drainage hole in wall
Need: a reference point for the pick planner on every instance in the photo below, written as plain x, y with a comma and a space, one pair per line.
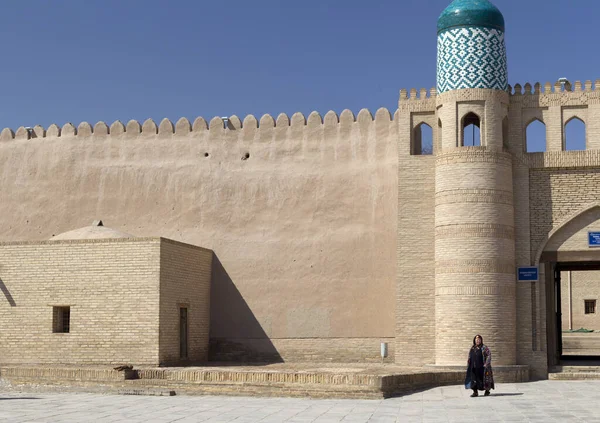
206, 154
246, 156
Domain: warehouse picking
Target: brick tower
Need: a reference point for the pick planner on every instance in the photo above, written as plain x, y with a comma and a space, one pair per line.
474, 213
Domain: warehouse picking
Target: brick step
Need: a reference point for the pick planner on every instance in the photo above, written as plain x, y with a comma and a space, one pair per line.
581, 344
574, 376
574, 373
575, 369
146, 392
369, 382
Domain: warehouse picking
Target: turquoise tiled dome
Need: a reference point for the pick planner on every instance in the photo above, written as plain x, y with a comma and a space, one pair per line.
471, 48
461, 13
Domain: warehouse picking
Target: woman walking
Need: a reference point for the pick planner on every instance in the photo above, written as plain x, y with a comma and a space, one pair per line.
479, 368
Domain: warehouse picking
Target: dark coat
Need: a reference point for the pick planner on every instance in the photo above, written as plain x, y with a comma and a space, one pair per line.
480, 379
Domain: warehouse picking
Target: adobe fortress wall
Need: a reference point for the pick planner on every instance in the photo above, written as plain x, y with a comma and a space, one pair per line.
301, 214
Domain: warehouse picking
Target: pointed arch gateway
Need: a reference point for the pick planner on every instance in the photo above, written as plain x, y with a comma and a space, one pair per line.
570, 236
568, 263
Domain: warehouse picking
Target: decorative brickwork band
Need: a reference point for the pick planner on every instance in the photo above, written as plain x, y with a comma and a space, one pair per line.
474, 230
474, 196
473, 94
474, 266
473, 155
475, 290
563, 159
204, 376
471, 57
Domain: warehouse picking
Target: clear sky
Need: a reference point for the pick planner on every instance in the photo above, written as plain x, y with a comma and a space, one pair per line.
90, 60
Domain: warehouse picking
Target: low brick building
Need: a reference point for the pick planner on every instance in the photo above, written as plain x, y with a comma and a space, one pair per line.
99, 296
580, 292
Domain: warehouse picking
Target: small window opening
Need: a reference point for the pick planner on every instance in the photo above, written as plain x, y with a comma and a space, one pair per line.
535, 137
61, 319
422, 140
575, 135
471, 131
439, 134
183, 332
590, 306
505, 142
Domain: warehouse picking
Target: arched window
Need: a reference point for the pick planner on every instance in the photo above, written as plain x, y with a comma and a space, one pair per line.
422, 140
575, 135
535, 137
471, 131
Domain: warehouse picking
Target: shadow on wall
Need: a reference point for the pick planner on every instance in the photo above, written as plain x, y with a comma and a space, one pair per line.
6, 293
540, 208
235, 333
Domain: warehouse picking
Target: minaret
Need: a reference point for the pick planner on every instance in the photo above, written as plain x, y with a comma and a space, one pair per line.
475, 288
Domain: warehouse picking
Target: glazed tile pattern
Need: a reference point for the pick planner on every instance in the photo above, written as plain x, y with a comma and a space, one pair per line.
471, 57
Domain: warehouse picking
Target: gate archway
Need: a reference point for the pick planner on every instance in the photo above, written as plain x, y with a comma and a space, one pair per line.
567, 251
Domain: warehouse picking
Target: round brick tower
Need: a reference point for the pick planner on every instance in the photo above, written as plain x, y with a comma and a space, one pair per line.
474, 215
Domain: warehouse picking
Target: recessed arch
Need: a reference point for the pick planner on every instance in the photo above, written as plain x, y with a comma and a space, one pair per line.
593, 207
470, 135
575, 134
535, 136
422, 140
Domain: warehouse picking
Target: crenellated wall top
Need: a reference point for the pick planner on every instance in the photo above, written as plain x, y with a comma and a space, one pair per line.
424, 100
414, 100
183, 126
560, 93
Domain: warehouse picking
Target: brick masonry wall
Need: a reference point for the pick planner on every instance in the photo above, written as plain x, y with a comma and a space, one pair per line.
340, 350
556, 194
474, 254
541, 205
111, 286
415, 288
474, 231
415, 283
548, 188
185, 274
584, 286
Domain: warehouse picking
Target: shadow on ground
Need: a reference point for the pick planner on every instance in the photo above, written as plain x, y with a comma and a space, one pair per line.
515, 394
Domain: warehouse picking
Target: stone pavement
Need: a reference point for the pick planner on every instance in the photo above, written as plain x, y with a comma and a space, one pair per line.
544, 401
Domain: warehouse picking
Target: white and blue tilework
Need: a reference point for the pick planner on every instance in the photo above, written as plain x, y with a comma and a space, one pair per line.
471, 57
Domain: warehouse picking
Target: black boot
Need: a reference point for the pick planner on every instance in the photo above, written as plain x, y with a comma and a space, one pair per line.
475, 393
487, 393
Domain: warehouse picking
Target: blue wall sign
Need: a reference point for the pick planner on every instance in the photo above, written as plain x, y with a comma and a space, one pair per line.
528, 274
594, 239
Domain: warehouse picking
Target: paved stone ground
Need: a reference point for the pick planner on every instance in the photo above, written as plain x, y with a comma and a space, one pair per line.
545, 401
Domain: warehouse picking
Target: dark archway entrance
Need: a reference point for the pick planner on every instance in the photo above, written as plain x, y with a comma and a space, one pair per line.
567, 345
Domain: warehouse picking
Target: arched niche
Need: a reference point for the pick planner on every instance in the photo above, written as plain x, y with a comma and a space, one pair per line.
535, 137
422, 140
470, 133
575, 134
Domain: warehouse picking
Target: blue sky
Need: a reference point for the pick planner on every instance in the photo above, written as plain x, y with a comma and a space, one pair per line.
75, 60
